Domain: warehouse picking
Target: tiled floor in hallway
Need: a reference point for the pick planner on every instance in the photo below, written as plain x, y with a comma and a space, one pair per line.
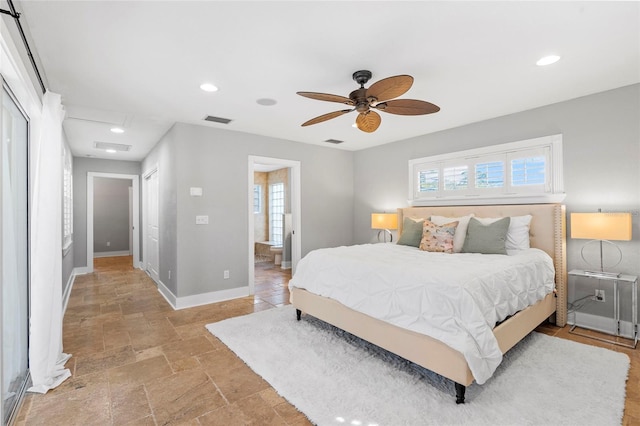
137, 361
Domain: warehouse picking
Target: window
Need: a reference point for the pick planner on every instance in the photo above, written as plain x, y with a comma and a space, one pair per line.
490, 174
67, 200
529, 170
455, 178
276, 212
257, 199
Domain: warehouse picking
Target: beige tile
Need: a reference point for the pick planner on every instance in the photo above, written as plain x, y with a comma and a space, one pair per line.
232, 376
104, 360
183, 396
187, 348
129, 404
88, 405
139, 372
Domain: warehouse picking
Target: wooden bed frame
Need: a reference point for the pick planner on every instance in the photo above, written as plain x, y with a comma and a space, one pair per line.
547, 232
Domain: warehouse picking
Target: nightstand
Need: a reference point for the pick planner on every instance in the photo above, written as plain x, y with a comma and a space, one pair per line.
615, 281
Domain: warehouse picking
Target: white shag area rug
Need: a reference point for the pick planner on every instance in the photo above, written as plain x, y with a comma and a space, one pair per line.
335, 378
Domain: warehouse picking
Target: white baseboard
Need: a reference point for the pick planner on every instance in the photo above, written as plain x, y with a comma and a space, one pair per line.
81, 270
112, 253
286, 264
67, 292
178, 303
166, 293
602, 324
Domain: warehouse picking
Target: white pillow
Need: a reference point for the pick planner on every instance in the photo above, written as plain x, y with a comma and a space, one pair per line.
461, 230
518, 233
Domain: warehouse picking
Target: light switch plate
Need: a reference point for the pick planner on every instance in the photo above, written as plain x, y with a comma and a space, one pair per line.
195, 192
202, 220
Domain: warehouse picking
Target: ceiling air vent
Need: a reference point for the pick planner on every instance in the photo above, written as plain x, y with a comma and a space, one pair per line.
114, 146
334, 141
217, 119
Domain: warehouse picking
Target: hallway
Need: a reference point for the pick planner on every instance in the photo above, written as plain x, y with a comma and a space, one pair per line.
137, 361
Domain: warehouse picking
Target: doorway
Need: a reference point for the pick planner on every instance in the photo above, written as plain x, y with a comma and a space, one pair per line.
287, 226
135, 214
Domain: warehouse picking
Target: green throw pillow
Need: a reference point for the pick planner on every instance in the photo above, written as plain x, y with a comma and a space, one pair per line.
411, 232
486, 239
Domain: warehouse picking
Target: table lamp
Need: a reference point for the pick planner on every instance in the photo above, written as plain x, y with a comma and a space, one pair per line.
384, 222
601, 228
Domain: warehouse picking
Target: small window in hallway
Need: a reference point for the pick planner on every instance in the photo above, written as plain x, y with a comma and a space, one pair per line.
276, 212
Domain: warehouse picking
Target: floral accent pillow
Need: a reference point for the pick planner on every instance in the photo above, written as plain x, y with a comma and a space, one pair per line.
438, 238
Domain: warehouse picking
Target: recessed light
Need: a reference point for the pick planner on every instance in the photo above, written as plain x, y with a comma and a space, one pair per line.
208, 87
548, 60
266, 101
111, 151
117, 130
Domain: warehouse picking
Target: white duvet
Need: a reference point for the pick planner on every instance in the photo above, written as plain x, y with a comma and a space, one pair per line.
455, 298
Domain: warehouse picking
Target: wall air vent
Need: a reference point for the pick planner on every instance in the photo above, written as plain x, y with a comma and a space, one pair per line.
217, 119
114, 146
334, 141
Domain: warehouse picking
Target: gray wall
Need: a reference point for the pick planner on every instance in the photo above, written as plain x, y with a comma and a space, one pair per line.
601, 141
217, 161
82, 166
110, 214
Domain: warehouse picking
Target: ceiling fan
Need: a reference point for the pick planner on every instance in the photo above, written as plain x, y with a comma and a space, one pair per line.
378, 96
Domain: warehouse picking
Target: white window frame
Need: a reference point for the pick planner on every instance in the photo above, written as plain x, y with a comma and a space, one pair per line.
67, 200
257, 202
552, 191
276, 212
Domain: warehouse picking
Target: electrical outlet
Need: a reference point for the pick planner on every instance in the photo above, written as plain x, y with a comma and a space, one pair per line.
599, 296
108, 243
225, 274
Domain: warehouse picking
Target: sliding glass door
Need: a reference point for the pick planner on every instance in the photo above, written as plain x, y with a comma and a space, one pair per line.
14, 250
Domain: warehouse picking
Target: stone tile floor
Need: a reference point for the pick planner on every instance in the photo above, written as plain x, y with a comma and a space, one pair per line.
136, 361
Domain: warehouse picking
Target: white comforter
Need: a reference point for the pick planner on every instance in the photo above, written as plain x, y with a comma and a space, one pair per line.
455, 298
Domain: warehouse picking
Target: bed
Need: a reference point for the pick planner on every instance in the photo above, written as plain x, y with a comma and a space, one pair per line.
546, 233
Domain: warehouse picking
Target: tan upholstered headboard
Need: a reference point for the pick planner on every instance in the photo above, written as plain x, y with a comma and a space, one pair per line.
547, 233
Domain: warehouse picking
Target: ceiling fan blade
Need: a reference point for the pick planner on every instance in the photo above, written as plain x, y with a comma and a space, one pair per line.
326, 97
325, 117
407, 107
368, 121
390, 87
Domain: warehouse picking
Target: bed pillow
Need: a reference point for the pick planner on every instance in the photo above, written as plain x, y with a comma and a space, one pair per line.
518, 234
411, 232
461, 230
436, 238
486, 239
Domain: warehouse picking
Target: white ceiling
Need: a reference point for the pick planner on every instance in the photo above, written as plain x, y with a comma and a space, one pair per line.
139, 64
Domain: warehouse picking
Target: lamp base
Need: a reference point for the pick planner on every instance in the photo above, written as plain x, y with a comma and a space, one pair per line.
603, 274
385, 231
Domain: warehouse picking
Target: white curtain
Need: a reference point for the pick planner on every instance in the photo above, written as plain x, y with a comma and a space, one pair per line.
46, 358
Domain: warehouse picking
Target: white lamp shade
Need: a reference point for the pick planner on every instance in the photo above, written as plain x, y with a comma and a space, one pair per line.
601, 226
384, 221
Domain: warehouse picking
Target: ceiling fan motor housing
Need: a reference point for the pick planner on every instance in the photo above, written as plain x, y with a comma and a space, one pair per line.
361, 77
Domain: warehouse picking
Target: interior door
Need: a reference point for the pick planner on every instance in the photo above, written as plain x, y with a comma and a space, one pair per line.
14, 262
152, 255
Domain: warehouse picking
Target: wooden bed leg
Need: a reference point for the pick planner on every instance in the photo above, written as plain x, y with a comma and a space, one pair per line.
298, 314
460, 389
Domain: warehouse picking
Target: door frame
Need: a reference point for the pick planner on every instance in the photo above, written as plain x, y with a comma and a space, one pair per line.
145, 213
296, 212
135, 179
